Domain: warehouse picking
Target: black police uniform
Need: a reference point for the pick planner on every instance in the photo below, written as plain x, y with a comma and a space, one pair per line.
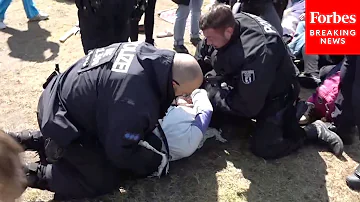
104, 22
97, 111
349, 101
260, 83
349, 98
266, 9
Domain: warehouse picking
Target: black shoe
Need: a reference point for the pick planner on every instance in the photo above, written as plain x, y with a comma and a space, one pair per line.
319, 130
30, 140
150, 41
353, 180
36, 175
181, 49
301, 109
308, 115
309, 81
195, 41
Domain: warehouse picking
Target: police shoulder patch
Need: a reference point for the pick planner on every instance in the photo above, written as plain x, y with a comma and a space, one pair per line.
132, 137
248, 76
99, 56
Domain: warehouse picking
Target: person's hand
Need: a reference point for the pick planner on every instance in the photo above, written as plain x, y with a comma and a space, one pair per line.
184, 101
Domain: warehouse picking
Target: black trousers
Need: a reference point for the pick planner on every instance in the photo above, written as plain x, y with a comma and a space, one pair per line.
313, 63
350, 90
84, 171
104, 26
277, 132
266, 11
148, 24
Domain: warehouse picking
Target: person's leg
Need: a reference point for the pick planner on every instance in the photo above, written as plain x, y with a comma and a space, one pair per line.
280, 6
84, 171
345, 121
150, 21
353, 180
286, 135
4, 4
310, 77
30, 9
195, 7
134, 29
182, 14
356, 93
272, 17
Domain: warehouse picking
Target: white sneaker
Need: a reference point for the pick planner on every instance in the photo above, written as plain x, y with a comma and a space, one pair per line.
39, 17
2, 25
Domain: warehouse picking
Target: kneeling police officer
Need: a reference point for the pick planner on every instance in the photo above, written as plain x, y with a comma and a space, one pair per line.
249, 74
96, 119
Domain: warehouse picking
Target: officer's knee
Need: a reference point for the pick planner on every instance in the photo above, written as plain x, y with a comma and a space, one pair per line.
262, 150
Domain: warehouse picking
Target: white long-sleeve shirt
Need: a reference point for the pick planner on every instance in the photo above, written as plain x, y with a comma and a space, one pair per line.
184, 126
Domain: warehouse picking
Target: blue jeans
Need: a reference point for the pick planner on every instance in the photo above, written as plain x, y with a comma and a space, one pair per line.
182, 14
29, 6
299, 39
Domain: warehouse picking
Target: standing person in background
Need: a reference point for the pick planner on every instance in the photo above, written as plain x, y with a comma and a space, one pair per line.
348, 102
32, 13
147, 6
264, 9
103, 23
182, 14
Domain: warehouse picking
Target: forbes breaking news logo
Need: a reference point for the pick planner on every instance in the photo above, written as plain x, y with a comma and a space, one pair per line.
332, 36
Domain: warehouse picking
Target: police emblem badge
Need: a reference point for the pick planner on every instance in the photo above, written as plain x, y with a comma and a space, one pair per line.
248, 76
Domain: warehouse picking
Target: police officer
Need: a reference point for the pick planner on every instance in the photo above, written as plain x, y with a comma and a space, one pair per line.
254, 77
96, 119
104, 22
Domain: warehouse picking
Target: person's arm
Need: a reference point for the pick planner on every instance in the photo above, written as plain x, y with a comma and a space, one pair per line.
203, 56
203, 109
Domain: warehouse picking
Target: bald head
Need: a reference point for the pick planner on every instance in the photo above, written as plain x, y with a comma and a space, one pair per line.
187, 74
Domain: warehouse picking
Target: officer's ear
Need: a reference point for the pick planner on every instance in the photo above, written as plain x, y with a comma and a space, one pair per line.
228, 32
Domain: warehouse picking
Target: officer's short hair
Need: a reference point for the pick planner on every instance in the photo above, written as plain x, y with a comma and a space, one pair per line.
220, 16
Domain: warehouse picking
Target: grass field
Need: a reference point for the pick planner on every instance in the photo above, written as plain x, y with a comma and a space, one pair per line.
218, 172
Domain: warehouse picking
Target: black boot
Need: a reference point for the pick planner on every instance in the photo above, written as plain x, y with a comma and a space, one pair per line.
353, 180
320, 131
37, 175
31, 140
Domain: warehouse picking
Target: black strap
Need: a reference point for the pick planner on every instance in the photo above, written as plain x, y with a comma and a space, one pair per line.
163, 137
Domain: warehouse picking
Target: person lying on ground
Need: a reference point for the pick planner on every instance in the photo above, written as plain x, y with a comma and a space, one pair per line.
96, 119
185, 124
